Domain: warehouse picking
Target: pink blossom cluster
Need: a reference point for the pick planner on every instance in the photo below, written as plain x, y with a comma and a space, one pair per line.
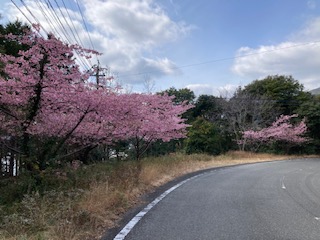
280, 130
43, 93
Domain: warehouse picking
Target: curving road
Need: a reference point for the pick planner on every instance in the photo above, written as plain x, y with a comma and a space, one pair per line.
274, 200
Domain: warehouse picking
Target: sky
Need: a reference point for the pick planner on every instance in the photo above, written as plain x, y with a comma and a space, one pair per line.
209, 46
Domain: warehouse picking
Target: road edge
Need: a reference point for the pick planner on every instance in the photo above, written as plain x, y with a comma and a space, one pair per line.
160, 193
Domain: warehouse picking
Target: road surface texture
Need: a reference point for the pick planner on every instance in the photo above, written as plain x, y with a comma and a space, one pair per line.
274, 200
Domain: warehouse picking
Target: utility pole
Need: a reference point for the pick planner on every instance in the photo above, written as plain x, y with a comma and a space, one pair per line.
98, 75
103, 72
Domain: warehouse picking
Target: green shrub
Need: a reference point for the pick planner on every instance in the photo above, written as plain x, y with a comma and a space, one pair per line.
205, 137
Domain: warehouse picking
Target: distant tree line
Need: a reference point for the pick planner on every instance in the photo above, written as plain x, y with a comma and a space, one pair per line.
218, 123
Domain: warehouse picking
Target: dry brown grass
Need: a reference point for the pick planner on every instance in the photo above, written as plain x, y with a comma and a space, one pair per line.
161, 170
88, 213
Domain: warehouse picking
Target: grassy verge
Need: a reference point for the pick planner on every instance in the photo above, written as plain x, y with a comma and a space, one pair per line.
92, 199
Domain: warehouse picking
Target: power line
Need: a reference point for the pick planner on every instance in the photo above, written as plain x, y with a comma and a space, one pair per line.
74, 33
22, 12
77, 39
55, 18
85, 25
223, 59
33, 16
69, 29
39, 4
63, 30
65, 20
81, 44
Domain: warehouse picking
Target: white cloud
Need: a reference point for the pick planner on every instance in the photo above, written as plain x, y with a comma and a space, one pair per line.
208, 89
299, 57
227, 91
125, 31
310, 31
201, 89
138, 22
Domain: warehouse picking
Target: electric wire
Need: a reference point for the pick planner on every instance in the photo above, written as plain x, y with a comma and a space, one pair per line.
48, 19
34, 17
51, 17
65, 20
42, 9
64, 32
72, 30
76, 32
22, 12
55, 18
223, 59
78, 39
64, 17
85, 25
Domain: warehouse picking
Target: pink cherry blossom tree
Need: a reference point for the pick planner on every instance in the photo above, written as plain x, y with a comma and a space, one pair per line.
43, 91
282, 130
149, 118
45, 98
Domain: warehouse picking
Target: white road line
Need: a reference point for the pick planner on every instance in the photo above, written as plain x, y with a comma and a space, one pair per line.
125, 231
282, 183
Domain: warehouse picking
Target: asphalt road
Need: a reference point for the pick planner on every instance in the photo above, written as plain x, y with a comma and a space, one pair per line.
275, 200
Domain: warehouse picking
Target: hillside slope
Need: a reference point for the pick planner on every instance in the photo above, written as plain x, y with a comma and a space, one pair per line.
315, 91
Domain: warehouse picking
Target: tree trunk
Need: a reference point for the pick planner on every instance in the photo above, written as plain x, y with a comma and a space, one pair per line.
11, 164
